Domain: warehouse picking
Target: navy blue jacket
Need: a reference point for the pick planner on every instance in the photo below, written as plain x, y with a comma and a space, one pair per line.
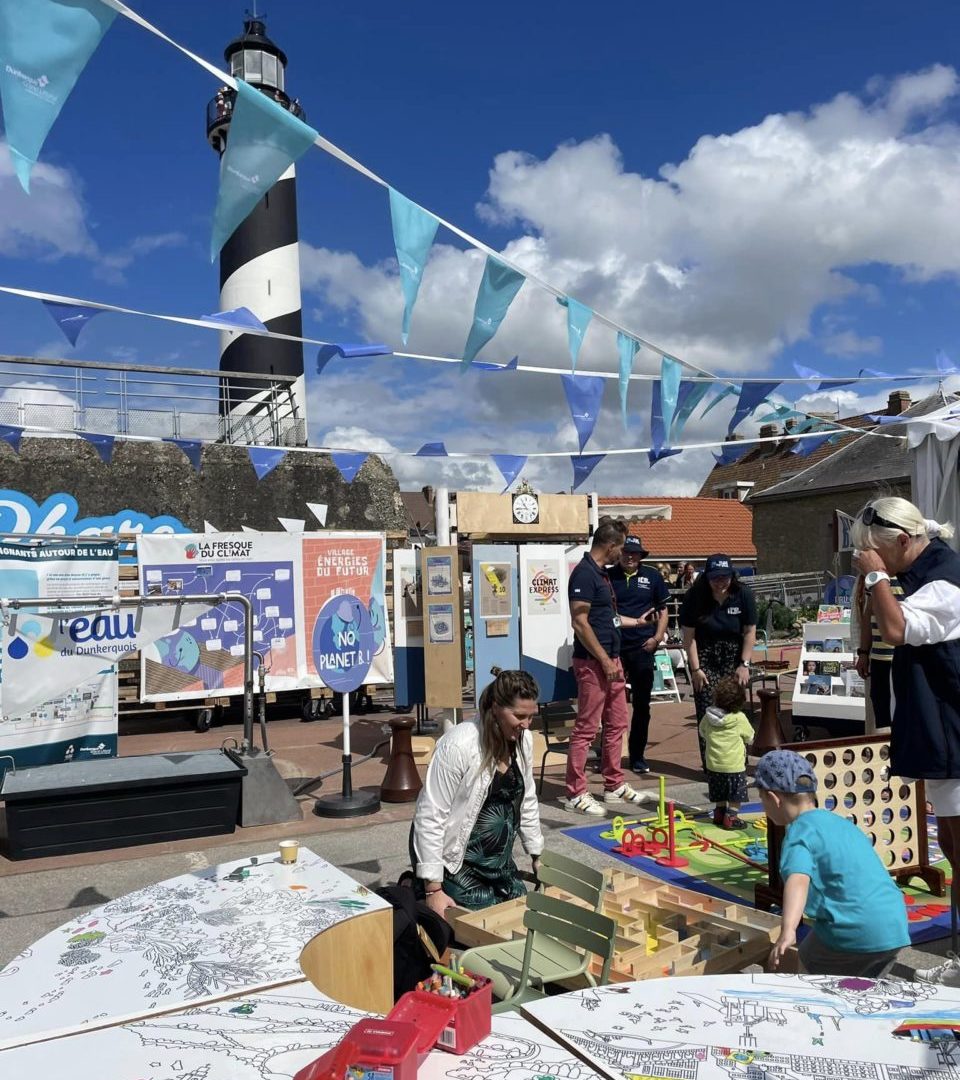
925, 736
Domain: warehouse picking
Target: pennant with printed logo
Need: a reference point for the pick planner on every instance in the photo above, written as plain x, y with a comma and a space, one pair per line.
689, 396
498, 286
265, 459
71, 318
103, 444
578, 319
44, 47
349, 464
265, 140
751, 395
627, 349
191, 447
584, 396
583, 466
509, 466
414, 230
11, 435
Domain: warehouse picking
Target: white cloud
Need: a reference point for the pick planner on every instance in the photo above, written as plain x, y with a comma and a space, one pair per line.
723, 258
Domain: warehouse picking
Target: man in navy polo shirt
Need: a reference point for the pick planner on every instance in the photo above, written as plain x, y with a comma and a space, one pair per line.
601, 697
641, 594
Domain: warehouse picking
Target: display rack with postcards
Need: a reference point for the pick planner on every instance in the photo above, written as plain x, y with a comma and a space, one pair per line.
827, 685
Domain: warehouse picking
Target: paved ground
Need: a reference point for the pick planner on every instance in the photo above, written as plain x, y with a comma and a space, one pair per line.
37, 896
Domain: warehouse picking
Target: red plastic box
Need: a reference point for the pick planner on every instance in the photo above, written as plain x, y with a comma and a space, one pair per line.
377, 1049
455, 1024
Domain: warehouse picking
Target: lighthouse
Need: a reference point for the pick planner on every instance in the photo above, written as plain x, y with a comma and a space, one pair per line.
260, 267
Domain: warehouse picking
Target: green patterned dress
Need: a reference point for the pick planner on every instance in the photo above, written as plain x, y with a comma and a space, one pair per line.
489, 875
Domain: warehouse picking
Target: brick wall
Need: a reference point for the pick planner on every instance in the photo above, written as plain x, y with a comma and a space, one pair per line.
795, 535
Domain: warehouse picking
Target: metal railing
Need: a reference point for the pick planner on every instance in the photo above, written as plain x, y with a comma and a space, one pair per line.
145, 400
793, 590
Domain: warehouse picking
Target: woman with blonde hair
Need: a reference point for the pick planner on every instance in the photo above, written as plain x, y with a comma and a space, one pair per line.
480, 794
895, 540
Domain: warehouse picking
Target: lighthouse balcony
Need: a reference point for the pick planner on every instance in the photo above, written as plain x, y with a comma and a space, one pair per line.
220, 111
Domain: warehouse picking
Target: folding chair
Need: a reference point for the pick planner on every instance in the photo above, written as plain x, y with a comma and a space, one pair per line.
556, 722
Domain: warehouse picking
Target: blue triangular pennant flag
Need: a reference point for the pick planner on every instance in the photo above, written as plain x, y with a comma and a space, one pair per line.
882, 418
413, 232
241, 318
349, 464
265, 140
103, 444
812, 377
265, 459
944, 365
584, 396
881, 374
689, 396
11, 435
498, 286
327, 352
728, 389
432, 449
805, 447
653, 456
670, 372
731, 452
583, 466
627, 349
71, 318
191, 447
482, 365
44, 47
578, 319
509, 466
751, 395
658, 430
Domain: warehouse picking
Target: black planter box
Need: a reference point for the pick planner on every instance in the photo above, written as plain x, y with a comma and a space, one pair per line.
119, 802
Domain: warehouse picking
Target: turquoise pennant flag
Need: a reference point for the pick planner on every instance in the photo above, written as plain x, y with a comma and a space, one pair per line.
265, 140
413, 232
44, 46
628, 348
670, 372
726, 392
578, 319
689, 396
498, 287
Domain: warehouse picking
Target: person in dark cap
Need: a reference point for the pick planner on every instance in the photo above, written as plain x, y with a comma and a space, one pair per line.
642, 595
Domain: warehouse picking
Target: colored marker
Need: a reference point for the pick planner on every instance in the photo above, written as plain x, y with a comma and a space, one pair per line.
462, 980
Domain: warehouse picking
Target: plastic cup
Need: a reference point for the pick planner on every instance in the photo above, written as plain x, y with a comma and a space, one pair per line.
289, 851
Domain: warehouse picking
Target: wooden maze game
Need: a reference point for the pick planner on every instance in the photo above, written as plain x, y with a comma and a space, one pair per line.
854, 779
661, 929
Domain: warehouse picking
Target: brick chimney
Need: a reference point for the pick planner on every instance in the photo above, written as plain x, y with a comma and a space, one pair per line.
791, 424
898, 402
769, 431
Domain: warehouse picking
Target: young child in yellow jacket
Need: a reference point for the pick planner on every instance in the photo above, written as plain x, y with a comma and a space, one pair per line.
727, 733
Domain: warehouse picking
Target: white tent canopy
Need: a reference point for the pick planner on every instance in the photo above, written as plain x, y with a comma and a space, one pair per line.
934, 442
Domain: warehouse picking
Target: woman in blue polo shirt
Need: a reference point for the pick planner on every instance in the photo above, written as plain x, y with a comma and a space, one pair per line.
923, 625
718, 617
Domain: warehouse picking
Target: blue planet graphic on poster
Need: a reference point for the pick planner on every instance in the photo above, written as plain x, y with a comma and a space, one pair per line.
180, 651
344, 643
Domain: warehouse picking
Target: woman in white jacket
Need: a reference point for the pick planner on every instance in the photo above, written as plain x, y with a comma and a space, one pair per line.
479, 793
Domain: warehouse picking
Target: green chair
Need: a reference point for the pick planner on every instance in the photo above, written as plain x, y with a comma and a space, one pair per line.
572, 877
561, 940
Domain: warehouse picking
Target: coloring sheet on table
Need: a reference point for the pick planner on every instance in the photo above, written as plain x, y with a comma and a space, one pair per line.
703, 1027
200, 937
270, 1036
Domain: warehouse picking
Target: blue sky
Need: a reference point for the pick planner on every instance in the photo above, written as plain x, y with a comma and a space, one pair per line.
748, 185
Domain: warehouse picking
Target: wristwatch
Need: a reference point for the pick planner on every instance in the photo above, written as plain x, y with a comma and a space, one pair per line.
874, 578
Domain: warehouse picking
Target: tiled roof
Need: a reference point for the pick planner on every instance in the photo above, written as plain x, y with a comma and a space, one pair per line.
697, 528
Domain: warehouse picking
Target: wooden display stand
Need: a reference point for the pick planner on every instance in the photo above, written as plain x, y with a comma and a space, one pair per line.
853, 778
442, 627
835, 705
661, 929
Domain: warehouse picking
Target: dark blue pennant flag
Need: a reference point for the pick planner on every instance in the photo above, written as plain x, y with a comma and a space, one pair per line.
327, 352
653, 456
191, 447
731, 452
265, 459
509, 466
484, 365
432, 449
71, 318
349, 464
583, 466
103, 444
11, 435
658, 432
805, 447
751, 395
584, 396
689, 396
241, 318
882, 418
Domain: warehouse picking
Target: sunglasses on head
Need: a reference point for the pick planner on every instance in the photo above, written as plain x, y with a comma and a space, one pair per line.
871, 517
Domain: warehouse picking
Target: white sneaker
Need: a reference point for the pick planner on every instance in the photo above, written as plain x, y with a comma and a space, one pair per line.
625, 794
945, 974
584, 804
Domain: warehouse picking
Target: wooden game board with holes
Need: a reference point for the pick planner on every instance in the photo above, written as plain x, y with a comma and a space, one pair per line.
854, 780
661, 929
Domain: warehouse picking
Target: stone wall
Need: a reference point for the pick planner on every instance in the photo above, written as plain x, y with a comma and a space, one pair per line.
795, 535
156, 479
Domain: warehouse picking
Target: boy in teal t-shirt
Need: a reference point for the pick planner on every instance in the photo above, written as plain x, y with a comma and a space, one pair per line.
831, 873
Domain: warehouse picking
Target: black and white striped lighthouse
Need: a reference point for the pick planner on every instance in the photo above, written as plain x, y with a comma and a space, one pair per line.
260, 265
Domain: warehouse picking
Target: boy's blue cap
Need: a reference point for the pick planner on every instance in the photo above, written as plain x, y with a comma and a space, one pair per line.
783, 770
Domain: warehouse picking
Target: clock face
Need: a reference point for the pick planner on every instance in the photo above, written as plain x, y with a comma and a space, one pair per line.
526, 509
